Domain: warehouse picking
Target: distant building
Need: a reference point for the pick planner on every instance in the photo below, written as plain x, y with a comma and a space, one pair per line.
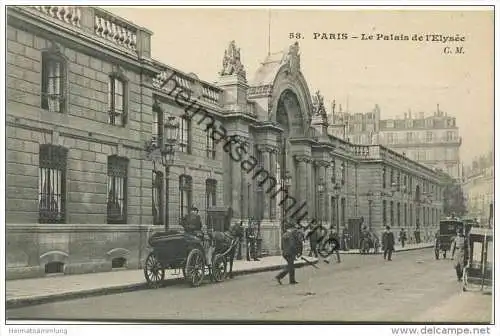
432, 140
478, 185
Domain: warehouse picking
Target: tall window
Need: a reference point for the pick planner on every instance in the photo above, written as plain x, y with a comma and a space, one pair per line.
334, 173
409, 137
157, 125
210, 145
343, 208
398, 209
117, 189
186, 189
53, 82
392, 213
116, 100
211, 193
384, 178
343, 172
185, 135
406, 215
428, 136
52, 184
157, 198
384, 212
398, 180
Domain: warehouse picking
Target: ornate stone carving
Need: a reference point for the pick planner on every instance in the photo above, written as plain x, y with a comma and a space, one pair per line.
293, 58
267, 148
231, 64
321, 163
319, 105
303, 158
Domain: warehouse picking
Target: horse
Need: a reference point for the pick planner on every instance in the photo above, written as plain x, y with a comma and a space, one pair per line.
226, 243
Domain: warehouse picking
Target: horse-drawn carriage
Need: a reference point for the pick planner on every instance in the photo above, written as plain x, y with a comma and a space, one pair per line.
189, 253
447, 231
479, 262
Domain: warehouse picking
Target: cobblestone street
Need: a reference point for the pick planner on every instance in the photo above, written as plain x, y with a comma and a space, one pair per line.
413, 287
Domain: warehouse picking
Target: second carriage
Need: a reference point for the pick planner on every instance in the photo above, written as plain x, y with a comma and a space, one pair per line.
185, 253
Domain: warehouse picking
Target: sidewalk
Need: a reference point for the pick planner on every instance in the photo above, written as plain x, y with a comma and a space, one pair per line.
25, 292
398, 248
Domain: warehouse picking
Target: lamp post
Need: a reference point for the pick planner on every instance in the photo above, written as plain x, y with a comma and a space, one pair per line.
165, 153
369, 196
321, 190
286, 184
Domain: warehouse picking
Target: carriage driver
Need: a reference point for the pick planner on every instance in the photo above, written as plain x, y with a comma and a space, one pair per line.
192, 225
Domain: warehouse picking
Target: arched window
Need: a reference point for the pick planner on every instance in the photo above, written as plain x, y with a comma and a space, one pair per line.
54, 80
186, 189
117, 97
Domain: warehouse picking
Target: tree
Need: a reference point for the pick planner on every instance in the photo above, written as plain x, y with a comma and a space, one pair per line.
453, 199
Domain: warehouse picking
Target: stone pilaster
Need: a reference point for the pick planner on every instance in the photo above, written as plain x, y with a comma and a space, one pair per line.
303, 187
323, 196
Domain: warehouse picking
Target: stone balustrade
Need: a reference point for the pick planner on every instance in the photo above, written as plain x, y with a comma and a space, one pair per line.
115, 30
211, 95
70, 14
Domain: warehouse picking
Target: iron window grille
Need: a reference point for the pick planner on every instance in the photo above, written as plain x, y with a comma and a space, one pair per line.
186, 189
53, 82
116, 99
157, 198
210, 144
52, 184
185, 135
117, 189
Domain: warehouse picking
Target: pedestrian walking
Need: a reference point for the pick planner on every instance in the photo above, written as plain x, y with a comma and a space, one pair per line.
251, 238
334, 240
291, 245
388, 243
402, 237
314, 236
459, 245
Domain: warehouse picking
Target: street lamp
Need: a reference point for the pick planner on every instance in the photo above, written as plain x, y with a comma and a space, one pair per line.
369, 196
165, 152
321, 190
287, 183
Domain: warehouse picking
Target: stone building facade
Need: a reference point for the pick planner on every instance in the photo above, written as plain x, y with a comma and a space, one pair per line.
433, 140
84, 96
478, 187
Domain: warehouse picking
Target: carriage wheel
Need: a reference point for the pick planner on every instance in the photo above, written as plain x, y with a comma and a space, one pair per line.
194, 271
153, 271
219, 268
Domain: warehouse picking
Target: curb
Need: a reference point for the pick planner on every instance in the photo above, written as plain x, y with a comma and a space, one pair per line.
29, 301
355, 251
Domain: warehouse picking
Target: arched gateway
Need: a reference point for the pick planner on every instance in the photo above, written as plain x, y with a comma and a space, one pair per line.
278, 133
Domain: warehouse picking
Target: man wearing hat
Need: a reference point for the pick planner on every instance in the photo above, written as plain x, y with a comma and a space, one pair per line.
192, 222
460, 244
291, 245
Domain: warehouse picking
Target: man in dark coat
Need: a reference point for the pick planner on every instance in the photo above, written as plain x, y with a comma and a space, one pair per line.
192, 222
388, 242
314, 236
291, 245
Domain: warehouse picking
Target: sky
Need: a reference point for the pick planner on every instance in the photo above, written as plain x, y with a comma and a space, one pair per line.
397, 75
